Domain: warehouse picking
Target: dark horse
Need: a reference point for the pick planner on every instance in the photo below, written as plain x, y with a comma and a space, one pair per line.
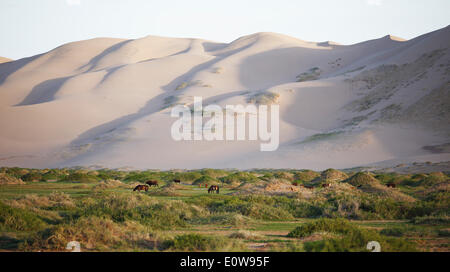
213, 188
391, 185
152, 183
140, 188
326, 185
177, 181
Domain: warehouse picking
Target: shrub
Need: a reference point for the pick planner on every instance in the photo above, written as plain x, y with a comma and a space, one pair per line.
398, 232
244, 234
205, 180
15, 219
188, 176
214, 173
239, 177
224, 219
93, 233
140, 176
251, 206
443, 233
53, 200
431, 220
197, 242
157, 214
306, 175
353, 238
80, 177
339, 226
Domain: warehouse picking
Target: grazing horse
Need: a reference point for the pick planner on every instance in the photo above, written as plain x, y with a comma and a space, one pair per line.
213, 188
391, 185
326, 185
177, 181
295, 184
152, 183
140, 188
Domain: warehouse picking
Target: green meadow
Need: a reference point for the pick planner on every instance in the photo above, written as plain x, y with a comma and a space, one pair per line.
258, 210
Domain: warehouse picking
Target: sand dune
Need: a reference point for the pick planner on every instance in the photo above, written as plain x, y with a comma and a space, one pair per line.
107, 101
3, 59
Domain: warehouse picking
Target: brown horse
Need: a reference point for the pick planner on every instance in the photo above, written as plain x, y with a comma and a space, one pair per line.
391, 185
177, 181
141, 188
152, 183
213, 188
326, 185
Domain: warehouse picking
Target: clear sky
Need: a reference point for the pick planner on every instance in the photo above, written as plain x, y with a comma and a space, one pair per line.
29, 27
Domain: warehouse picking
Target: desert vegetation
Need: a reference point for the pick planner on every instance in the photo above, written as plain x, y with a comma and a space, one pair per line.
257, 210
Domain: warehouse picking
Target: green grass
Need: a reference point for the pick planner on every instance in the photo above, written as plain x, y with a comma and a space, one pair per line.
45, 215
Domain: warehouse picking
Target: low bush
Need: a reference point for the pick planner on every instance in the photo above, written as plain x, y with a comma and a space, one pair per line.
16, 219
93, 233
80, 177
239, 177
197, 242
397, 232
351, 237
431, 220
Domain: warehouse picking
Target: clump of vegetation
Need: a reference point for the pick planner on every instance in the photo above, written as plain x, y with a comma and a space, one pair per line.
188, 177
85, 230
8, 179
431, 220
184, 85
217, 70
141, 176
198, 242
244, 234
32, 177
311, 74
214, 173
52, 200
16, 219
205, 180
157, 214
306, 175
350, 237
338, 226
361, 179
108, 184
333, 175
264, 98
397, 232
239, 177
80, 177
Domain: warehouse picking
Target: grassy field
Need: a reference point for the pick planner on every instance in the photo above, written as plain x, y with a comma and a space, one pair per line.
289, 210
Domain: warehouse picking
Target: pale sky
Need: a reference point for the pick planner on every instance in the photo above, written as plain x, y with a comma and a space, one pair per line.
29, 27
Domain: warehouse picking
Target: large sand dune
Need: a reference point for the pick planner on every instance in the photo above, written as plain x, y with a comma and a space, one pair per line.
107, 102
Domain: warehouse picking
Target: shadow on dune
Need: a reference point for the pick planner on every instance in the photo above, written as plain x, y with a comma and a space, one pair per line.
9, 68
95, 60
43, 92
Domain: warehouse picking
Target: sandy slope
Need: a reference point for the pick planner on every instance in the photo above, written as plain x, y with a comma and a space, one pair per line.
3, 59
107, 102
